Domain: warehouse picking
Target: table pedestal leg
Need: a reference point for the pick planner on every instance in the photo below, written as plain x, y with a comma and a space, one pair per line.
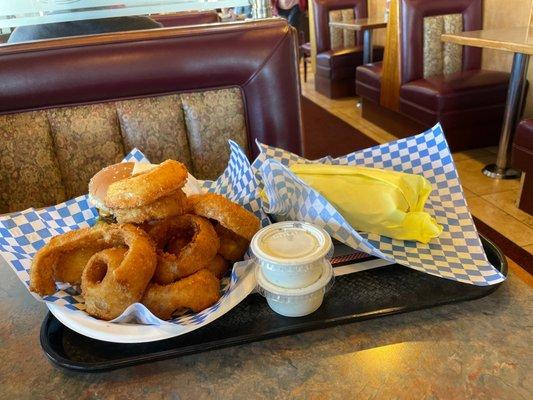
367, 46
500, 170
368, 52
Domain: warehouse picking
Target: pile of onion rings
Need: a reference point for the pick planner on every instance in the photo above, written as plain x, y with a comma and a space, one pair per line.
170, 254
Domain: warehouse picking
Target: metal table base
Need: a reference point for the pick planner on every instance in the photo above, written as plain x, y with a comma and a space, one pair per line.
513, 110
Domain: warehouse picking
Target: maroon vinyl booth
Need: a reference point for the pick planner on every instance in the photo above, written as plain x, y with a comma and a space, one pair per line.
134, 91
187, 18
368, 81
263, 66
469, 103
335, 68
522, 158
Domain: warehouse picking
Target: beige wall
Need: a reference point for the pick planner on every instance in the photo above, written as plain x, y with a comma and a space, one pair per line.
498, 14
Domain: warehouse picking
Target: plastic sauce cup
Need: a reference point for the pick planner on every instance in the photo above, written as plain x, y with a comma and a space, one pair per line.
291, 254
296, 302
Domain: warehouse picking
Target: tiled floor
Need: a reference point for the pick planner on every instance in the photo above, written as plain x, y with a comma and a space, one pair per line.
492, 201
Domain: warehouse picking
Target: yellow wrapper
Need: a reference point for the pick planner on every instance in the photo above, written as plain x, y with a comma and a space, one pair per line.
373, 200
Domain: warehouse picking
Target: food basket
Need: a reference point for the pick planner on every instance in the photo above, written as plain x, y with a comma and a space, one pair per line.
456, 266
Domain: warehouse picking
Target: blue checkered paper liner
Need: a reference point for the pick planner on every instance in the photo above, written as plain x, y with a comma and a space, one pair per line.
457, 254
23, 233
239, 184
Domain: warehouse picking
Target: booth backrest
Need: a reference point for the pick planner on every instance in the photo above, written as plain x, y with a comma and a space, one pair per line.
69, 107
423, 54
337, 10
187, 18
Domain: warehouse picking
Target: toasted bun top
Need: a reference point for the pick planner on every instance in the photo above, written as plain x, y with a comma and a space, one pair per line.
100, 182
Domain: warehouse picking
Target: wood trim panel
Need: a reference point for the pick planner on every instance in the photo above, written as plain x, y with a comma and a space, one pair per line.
390, 78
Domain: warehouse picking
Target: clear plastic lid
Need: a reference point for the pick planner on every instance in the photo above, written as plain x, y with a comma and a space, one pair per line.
290, 268
291, 243
284, 295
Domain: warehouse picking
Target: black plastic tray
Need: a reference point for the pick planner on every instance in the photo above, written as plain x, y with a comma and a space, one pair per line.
368, 294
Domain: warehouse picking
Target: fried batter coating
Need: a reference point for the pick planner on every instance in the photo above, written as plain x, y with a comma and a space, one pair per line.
232, 246
201, 246
70, 265
104, 297
230, 215
168, 206
46, 267
117, 277
195, 292
147, 187
46, 263
218, 266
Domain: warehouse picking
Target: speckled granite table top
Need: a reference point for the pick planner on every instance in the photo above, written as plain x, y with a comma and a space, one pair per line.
479, 349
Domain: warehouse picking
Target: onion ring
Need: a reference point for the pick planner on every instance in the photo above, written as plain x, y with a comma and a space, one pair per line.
202, 246
217, 266
115, 278
232, 246
104, 297
147, 187
168, 206
140, 256
45, 267
70, 265
230, 215
195, 292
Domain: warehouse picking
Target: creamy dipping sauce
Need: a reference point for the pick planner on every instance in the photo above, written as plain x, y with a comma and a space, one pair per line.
290, 243
291, 254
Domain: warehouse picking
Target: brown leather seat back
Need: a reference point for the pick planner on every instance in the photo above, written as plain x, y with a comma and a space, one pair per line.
339, 10
422, 52
69, 107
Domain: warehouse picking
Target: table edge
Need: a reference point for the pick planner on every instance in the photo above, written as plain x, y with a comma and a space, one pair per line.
493, 44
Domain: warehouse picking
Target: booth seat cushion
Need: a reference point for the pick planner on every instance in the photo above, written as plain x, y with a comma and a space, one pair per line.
338, 64
523, 146
524, 135
339, 58
456, 119
84, 138
305, 48
153, 125
29, 168
212, 118
457, 91
341, 63
522, 158
48, 156
368, 81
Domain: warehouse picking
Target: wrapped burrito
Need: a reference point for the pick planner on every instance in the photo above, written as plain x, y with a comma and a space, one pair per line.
387, 203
